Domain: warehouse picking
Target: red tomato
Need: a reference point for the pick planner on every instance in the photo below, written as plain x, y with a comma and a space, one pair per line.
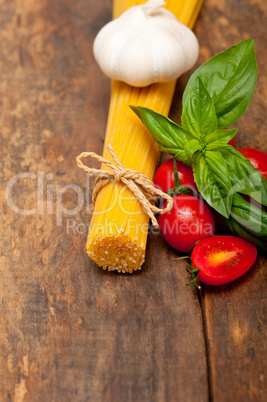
222, 259
257, 158
164, 178
189, 221
232, 142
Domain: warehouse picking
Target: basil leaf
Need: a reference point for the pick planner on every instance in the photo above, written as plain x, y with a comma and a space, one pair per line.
199, 116
230, 78
245, 178
219, 138
179, 154
191, 148
163, 129
240, 231
252, 218
213, 181
168, 135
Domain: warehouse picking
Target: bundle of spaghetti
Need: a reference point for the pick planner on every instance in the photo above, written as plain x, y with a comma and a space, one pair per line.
118, 229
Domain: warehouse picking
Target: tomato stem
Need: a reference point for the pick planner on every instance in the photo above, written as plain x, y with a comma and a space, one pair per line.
185, 257
194, 272
178, 188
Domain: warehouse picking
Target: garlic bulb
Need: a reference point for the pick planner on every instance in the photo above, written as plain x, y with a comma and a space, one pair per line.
146, 44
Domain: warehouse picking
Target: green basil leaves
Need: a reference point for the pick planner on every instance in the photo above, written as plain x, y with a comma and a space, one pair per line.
230, 79
169, 136
213, 181
245, 178
216, 95
199, 115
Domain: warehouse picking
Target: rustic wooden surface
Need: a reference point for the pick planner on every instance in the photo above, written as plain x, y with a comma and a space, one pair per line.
69, 331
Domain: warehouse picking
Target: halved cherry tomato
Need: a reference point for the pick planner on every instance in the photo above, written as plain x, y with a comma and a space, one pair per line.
257, 158
164, 178
188, 221
222, 259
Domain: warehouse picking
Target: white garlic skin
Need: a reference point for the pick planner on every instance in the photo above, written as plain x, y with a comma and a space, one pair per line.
142, 47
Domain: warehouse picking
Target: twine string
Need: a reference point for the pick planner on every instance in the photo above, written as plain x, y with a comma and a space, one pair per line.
139, 184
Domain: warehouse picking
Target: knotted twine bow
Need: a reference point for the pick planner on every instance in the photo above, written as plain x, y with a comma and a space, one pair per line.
132, 180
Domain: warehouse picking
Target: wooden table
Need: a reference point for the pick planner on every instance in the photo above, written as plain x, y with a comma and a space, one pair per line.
70, 331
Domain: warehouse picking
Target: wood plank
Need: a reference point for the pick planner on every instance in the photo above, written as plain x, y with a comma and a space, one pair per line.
236, 328
70, 331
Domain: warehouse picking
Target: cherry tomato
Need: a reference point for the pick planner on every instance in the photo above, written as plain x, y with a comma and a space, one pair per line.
189, 221
232, 142
164, 178
257, 158
222, 259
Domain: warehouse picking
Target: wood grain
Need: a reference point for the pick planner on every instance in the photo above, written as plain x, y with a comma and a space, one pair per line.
70, 331
235, 315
